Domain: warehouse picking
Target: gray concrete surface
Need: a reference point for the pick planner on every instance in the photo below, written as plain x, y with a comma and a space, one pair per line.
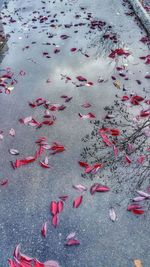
25, 201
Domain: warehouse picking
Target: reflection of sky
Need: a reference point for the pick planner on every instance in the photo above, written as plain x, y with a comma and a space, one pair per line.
31, 188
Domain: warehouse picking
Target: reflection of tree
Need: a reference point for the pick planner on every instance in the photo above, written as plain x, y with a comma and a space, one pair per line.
127, 158
3, 42
105, 38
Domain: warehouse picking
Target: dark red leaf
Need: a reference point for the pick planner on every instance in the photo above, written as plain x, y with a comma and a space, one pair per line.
73, 49
81, 79
137, 211
44, 229
83, 164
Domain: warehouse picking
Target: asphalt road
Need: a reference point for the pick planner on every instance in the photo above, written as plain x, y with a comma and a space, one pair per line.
25, 200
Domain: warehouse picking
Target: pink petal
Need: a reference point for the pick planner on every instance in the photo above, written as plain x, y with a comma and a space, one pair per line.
77, 202
53, 208
143, 194
72, 242
137, 199
71, 236
98, 188
60, 206
55, 220
133, 207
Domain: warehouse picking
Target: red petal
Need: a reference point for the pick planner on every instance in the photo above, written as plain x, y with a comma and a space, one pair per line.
114, 132
72, 242
83, 164
44, 165
81, 79
39, 152
77, 202
137, 212
48, 122
55, 220
98, 188
128, 160
19, 162
88, 169
133, 207
73, 49
11, 263
125, 98
60, 206
144, 113
54, 208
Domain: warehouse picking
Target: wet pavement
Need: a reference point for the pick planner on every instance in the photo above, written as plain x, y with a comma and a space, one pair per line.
25, 200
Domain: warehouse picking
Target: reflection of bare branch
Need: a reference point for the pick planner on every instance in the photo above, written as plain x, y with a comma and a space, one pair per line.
135, 174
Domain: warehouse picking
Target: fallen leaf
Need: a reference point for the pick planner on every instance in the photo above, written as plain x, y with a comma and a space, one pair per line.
137, 211
77, 202
12, 132
133, 207
44, 229
53, 208
51, 264
72, 242
80, 188
88, 116
143, 194
14, 151
4, 182
19, 162
55, 220
112, 214
98, 188
128, 160
83, 164
137, 263
60, 206
117, 84
71, 236
81, 79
